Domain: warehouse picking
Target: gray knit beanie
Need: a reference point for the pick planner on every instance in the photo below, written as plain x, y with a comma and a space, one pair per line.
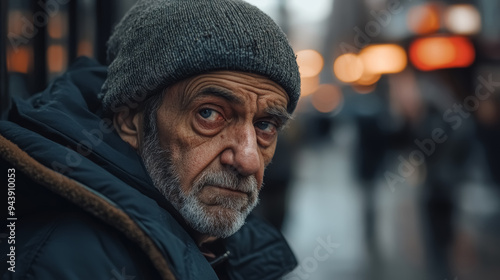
161, 42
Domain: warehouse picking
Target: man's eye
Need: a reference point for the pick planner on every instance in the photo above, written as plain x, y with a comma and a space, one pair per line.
266, 126
208, 120
208, 114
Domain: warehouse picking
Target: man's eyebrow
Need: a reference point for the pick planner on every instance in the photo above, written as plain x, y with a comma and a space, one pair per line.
280, 113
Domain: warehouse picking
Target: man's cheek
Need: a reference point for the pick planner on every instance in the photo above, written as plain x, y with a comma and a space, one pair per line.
267, 156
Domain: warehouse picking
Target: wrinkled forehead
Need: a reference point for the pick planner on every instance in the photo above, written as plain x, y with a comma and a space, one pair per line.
231, 85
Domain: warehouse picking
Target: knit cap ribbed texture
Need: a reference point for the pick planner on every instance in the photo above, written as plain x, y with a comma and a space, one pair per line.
161, 42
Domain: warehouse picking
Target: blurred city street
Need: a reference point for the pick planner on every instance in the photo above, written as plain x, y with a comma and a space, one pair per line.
325, 201
324, 184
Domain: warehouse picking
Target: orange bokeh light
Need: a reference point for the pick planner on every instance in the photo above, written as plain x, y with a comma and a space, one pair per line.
383, 59
310, 63
308, 85
56, 58
15, 23
424, 19
326, 98
57, 26
368, 78
85, 48
348, 67
20, 60
441, 52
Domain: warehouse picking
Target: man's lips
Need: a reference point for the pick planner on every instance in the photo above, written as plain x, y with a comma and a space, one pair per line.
228, 189
214, 195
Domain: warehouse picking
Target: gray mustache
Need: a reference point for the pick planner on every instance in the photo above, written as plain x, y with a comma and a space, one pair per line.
227, 180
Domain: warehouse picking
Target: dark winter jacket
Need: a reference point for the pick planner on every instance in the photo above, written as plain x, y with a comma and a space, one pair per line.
85, 207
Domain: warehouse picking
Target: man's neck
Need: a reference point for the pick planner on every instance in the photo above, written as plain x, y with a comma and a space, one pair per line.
202, 240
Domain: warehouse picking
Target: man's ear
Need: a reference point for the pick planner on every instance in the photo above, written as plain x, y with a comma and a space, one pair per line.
128, 125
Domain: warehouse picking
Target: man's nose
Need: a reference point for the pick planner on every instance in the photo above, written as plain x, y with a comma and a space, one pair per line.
243, 153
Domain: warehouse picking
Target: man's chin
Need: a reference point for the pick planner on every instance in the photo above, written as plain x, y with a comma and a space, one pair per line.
214, 220
223, 214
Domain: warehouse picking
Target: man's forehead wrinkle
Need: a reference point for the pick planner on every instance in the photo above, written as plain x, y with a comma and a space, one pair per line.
187, 92
256, 82
177, 92
196, 87
223, 93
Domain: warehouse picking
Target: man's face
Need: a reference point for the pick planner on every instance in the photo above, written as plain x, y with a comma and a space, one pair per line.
215, 134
